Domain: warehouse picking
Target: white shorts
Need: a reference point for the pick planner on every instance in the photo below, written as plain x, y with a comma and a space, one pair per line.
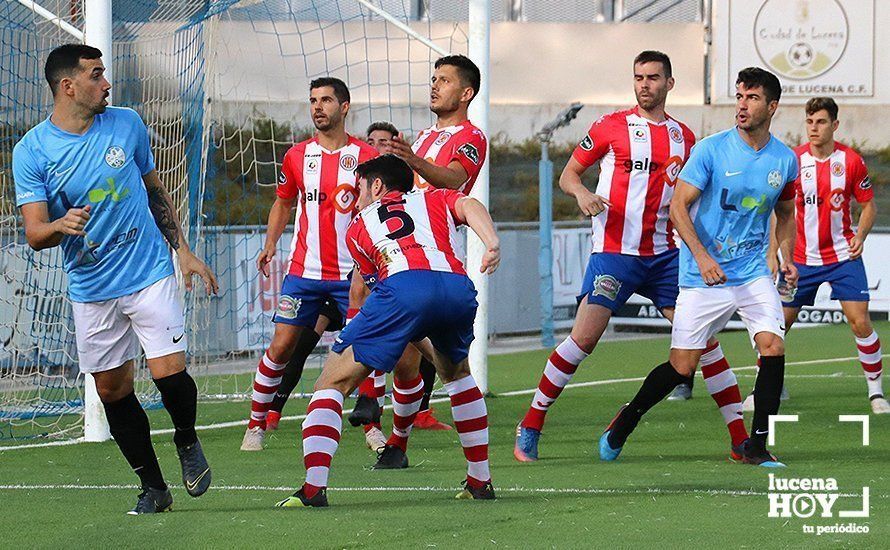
703, 312
109, 333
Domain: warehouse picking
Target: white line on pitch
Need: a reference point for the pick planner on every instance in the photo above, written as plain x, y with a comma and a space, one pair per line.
235, 423
530, 490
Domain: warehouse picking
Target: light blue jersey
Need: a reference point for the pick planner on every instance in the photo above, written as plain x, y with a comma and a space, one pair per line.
123, 250
739, 189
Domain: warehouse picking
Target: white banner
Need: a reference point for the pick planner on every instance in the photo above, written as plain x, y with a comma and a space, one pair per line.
571, 249
815, 47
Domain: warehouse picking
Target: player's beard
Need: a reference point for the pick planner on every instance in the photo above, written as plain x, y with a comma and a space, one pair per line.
328, 123
444, 108
754, 122
654, 100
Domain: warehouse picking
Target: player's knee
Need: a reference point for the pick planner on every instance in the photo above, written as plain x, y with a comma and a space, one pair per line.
771, 346
111, 391
280, 352
861, 326
452, 372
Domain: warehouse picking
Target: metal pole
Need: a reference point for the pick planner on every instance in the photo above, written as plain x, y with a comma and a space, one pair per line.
545, 236
479, 30
97, 33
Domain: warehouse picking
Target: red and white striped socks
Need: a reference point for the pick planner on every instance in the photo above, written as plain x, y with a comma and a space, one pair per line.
406, 398
265, 384
870, 358
374, 386
557, 374
321, 436
724, 389
471, 421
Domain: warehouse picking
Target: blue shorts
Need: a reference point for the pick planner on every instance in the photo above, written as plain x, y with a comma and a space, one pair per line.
847, 279
302, 300
611, 278
408, 307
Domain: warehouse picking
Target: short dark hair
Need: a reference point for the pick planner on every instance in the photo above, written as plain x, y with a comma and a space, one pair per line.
394, 172
341, 91
653, 56
467, 71
64, 60
384, 126
753, 77
816, 104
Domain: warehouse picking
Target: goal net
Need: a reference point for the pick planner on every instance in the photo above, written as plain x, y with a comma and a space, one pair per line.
223, 87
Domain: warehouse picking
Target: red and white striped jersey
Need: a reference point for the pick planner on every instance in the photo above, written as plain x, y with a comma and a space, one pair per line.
325, 183
639, 164
823, 190
407, 231
464, 143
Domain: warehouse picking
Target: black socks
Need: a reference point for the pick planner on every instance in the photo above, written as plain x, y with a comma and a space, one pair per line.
658, 384
129, 427
294, 369
180, 397
767, 394
428, 372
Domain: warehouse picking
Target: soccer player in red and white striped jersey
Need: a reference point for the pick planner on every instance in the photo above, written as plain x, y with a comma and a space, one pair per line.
828, 249
641, 151
450, 154
407, 241
318, 175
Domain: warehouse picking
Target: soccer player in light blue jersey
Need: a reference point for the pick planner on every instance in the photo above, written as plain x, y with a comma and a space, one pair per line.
726, 193
85, 180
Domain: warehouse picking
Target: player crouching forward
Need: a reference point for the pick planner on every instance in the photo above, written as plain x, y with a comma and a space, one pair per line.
409, 240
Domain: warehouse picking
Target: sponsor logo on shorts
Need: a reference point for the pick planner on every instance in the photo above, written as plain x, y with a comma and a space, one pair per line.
774, 179
469, 150
606, 285
586, 143
288, 306
25, 195
176, 339
115, 156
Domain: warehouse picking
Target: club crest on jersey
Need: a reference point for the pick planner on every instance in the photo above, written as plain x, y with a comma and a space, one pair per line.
469, 151
837, 169
115, 156
865, 184
606, 285
443, 137
675, 134
774, 179
312, 166
348, 162
639, 134
586, 143
288, 306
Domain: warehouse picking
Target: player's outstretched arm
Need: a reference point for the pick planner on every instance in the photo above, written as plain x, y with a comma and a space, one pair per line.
684, 195
786, 232
474, 214
452, 176
167, 219
279, 215
863, 228
570, 182
42, 233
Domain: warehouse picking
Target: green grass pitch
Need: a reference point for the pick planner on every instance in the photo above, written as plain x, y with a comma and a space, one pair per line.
673, 486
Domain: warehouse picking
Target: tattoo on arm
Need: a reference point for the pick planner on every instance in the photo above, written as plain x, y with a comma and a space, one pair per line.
161, 206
